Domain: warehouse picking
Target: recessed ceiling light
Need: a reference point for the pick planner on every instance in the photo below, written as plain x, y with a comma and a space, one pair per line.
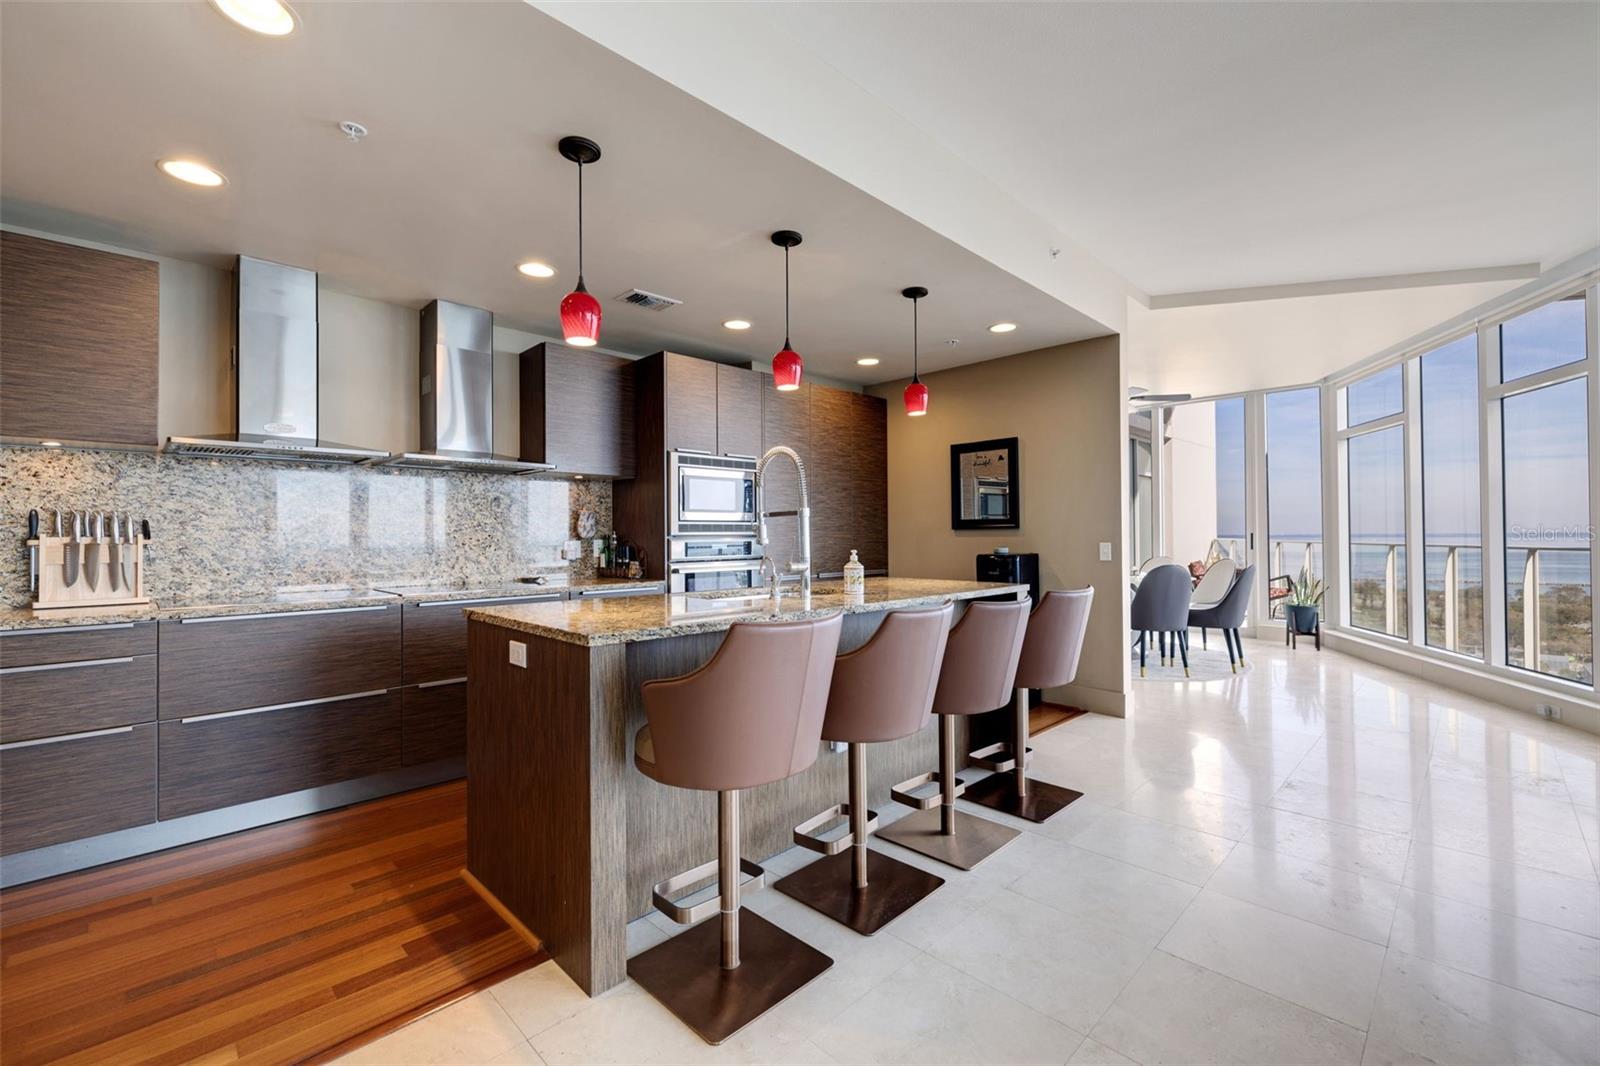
270, 17
1002, 327
867, 360
736, 323
535, 269
191, 172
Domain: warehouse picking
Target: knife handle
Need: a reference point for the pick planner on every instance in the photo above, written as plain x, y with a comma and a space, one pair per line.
144, 528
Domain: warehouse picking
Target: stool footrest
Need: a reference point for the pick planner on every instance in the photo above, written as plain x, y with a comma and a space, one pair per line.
661, 892
999, 756
902, 793
805, 834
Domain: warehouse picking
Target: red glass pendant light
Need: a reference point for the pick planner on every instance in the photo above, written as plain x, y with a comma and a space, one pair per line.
916, 392
787, 366
580, 312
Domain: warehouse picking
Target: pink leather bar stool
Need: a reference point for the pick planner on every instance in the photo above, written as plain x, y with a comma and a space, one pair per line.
881, 691
1050, 655
980, 667
750, 716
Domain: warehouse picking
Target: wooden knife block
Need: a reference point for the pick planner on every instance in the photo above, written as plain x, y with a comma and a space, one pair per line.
54, 592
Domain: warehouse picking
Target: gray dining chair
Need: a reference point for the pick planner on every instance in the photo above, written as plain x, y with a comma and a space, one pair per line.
1228, 615
1161, 606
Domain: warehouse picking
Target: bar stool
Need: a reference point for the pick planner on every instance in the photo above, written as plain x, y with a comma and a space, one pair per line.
1050, 655
750, 716
980, 666
881, 691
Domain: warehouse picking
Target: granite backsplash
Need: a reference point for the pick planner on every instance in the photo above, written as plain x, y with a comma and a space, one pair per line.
224, 529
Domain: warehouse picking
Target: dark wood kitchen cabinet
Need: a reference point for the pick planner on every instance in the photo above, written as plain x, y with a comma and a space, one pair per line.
577, 411
691, 386
224, 759
245, 661
78, 354
738, 412
434, 722
75, 786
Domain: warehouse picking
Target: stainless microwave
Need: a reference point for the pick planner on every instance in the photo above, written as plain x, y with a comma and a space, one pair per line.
710, 493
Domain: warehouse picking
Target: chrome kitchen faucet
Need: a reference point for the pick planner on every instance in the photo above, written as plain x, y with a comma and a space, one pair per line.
801, 566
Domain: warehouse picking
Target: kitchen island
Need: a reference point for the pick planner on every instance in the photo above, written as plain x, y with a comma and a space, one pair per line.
564, 837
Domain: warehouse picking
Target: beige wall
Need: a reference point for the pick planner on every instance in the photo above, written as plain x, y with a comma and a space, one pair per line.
1067, 407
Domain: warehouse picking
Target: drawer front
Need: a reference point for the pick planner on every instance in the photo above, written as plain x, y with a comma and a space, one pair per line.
32, 647
435, 723
75, 697
436, 636
230, 664
72, 788
218, 761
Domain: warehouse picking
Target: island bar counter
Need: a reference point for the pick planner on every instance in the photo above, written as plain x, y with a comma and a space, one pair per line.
564, 836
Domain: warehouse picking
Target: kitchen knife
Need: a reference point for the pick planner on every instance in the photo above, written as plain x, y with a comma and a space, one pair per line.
33, 551
70, 551
127, 552
114, 553
91, 561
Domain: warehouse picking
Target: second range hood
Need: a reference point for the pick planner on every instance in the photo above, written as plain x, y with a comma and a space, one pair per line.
275, 319
456, 367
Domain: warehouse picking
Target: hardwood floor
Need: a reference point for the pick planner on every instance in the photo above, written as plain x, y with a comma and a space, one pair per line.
276, 945
1049, 715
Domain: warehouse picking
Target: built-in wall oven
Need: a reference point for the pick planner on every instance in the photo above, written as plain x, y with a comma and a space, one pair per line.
710, 494
711, 562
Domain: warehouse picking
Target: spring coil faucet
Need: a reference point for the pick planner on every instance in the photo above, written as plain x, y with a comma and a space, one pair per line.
802, 565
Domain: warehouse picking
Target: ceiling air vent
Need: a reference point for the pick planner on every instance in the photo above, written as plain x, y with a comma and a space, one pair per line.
648, 300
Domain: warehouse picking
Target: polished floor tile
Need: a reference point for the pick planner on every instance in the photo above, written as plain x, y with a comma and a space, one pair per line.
1177, 1012
1316, 861
1426, 1012
1531, 956
1331, 973
1334, 898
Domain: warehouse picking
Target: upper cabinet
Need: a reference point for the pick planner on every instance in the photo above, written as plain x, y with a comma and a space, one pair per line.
577, 411
79, 348
738, 412
711, 407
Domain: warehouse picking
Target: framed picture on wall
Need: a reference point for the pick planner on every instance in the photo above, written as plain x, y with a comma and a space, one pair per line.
985, 485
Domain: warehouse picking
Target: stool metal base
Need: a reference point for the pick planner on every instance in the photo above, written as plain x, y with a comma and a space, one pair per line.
893, 887
1040, 800
685, 974
974, 839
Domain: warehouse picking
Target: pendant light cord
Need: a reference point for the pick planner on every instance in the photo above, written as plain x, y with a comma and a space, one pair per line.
914, 342
580, 224
786, 343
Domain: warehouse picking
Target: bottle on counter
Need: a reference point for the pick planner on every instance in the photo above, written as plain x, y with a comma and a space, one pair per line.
855, 577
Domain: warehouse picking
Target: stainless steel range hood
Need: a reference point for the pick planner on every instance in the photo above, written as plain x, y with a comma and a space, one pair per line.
456, 367
275, 319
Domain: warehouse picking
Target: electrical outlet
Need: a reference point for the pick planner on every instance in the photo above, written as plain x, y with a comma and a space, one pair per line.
519, 653
1549, 710
572, 550
1105, 551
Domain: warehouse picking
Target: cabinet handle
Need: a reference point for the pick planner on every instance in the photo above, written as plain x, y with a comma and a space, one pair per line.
492, 599
440, 684
92, 628
65, 737
279, 614
281, 706
740, 455
64, 666
694, 451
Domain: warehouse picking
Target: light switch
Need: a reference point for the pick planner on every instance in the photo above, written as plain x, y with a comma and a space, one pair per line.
1105, 551
519, 653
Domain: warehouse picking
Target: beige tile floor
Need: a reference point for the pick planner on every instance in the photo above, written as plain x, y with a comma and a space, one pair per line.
1319, 861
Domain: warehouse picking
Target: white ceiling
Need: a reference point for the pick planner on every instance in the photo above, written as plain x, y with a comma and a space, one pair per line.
1206, 146
459, 179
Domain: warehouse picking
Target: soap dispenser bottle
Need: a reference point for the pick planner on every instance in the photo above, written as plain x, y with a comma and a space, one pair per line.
855, 577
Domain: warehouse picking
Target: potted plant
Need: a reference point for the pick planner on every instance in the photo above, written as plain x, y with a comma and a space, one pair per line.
1304, 602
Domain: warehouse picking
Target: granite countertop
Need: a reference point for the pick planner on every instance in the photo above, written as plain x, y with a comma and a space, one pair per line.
625, 620
272, 601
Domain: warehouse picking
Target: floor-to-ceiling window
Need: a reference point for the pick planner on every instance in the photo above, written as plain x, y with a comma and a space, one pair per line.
1141, 486
1452, 535
1233, 526
1203, 481
1377, 530
1466, 467
1549, 606
1294, 483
